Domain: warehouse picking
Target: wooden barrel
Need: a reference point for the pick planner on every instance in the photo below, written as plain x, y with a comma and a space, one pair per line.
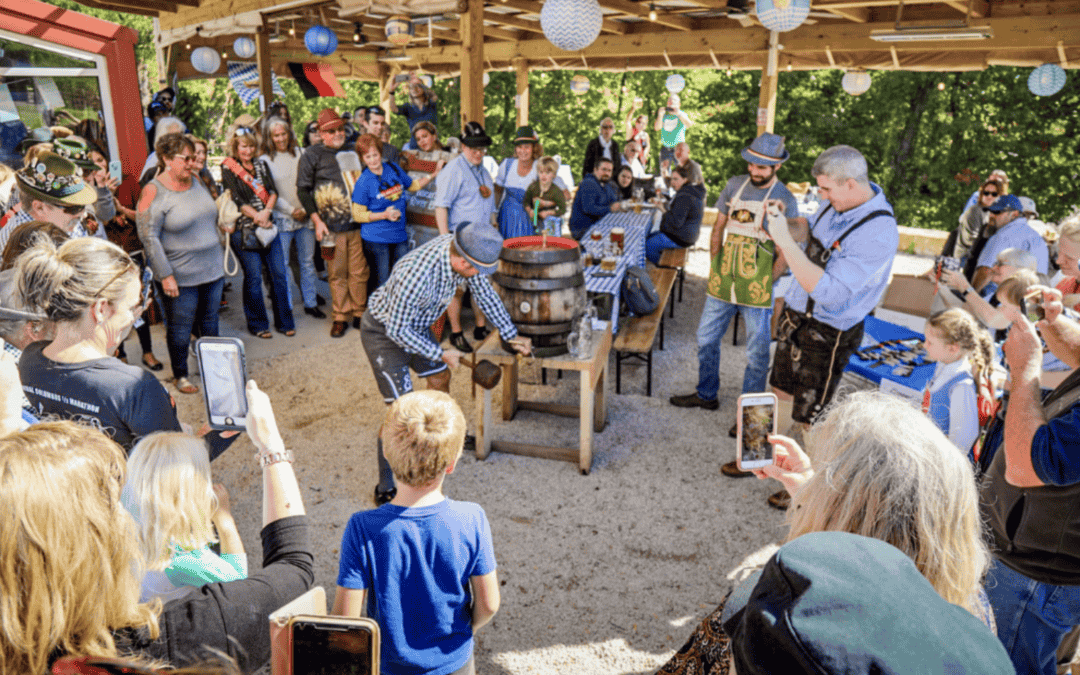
543, 288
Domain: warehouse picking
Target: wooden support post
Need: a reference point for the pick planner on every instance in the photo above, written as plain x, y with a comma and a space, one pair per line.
262, 56
472, 63
386, 87
521, 68
766, 113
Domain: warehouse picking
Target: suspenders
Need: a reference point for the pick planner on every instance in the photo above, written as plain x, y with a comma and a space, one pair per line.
820, 255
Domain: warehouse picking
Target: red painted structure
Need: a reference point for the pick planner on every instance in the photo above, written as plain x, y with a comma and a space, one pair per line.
113, 42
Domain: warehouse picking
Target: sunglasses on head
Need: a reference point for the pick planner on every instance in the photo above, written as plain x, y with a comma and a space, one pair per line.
70, 210
245, 131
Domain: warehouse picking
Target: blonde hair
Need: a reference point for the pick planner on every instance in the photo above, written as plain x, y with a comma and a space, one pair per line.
63, 281
1070, 228
1013, 289
248, 139
423, 433
884, 470
958, 327
170, 494
547, 163
69, 565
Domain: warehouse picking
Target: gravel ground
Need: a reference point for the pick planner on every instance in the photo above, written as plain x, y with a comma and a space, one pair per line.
606, 573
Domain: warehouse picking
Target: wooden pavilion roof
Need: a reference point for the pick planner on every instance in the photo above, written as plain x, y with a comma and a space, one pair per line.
685, 34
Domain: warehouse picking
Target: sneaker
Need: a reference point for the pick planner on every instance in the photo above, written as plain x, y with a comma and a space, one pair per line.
480, 332
780, 500
458, 342
731, 470
694, 401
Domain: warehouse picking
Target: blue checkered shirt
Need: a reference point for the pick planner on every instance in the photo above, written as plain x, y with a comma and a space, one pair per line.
418, 292
28, 408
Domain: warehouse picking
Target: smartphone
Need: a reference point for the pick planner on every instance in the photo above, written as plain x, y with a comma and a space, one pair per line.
116, 171
945, 262
1031, 306
224, 377
756, 416
401, 77
333, 645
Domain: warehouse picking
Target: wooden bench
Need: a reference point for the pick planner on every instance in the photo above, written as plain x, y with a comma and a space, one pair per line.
675, 258
637, 334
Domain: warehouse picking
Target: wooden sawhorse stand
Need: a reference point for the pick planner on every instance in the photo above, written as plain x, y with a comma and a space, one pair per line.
592, 410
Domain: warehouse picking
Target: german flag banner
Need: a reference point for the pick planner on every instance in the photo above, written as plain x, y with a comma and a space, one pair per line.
316, 79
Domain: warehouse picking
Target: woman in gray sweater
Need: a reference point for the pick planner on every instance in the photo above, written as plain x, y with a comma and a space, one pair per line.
177, 221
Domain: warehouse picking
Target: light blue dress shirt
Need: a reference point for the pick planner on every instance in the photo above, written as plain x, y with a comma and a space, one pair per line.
458, 190
1016, 234
857, 274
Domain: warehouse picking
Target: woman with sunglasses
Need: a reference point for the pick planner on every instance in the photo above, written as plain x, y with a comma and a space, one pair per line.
253, 191
380, 194
177, 222
91, 289
975, 219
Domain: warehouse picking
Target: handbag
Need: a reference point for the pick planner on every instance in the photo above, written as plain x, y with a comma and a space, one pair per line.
228, 213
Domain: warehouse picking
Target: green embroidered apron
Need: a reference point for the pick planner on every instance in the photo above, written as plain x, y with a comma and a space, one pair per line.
742, 273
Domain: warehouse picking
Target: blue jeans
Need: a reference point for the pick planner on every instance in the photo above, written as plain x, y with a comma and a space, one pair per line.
715, 317
254, 305
655, 244
383, 257
305, 254
195, 306
1032, 617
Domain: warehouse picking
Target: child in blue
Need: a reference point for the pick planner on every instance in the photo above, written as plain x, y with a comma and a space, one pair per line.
422, 566
380, 195
965, 357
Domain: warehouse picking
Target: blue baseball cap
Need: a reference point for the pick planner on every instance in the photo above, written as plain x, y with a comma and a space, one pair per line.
1007, 203
836, 602
480, 244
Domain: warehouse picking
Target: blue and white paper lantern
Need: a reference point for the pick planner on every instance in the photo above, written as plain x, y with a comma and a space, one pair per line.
205, 60
1046, 80
571, 25
579, 84
782, 15
856, 82
675, 83
244, 47
399, 30
320, 40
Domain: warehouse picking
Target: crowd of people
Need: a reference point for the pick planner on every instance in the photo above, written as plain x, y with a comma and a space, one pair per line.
886, 502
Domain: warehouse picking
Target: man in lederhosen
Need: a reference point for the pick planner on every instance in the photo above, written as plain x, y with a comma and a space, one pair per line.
741, 277
839, 279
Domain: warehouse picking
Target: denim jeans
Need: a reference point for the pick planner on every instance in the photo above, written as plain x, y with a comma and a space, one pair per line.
196, 306
655, 244
1032, 617
383, 257
305, 254
715, 317
254, 305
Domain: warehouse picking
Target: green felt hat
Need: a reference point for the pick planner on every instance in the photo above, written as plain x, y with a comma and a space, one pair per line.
55, 180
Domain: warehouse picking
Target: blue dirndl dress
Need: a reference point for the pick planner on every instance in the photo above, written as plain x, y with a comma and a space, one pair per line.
513, 220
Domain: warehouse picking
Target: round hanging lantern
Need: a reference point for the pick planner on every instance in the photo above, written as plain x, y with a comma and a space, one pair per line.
1046, 80
427, 81
782, 15
571, 25
579, 84
205, 60
856, 82
244, 47
487, 79
399, 30
320, 40
675, 83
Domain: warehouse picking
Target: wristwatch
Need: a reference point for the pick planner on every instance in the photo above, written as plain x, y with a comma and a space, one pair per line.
963, 296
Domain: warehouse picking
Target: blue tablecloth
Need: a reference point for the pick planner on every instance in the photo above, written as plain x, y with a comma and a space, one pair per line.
876, 331
637, 227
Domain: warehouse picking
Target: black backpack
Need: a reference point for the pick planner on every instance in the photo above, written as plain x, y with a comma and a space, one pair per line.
639, 295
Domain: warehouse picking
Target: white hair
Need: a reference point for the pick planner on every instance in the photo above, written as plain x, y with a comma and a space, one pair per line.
167, 125
1018, 258
840, 163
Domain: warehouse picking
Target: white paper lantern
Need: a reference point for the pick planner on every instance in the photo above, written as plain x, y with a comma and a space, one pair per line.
782, 15
675, 83
579, 84
244, 47
205, 60
856, 82
571, 25
487, 79
1046, 80
399, 30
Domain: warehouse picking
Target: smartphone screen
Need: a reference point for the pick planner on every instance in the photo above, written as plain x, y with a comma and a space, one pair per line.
1031, 306
331, 649
757, 420
221, 362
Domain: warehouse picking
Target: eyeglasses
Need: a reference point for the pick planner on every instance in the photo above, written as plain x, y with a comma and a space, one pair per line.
607, 126
335, 132
127, 268
185, 158
245, 131
989, 194
71, 210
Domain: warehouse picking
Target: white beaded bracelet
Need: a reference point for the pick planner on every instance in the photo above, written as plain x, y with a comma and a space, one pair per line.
268, 458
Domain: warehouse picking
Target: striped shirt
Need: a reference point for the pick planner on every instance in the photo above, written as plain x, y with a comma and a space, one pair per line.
418, 292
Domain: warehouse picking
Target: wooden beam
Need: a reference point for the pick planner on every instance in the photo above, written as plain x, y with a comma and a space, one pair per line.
472, 63
521, 70
263, 57
642, 10
532, 7
979, 8
513, 20
120, 7
856, 14
766, 112
710, 4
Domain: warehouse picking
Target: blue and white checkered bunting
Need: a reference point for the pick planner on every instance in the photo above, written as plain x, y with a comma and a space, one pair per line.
242, 73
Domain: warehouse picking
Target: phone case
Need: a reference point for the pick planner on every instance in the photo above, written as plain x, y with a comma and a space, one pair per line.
739, 422
311, 603
369, 623
206, 390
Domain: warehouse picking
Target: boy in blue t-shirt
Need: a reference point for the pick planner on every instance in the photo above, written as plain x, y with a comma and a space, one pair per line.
422, 566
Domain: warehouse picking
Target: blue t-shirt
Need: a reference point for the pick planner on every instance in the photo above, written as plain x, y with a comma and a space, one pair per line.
414, 114
416, 564
379, 193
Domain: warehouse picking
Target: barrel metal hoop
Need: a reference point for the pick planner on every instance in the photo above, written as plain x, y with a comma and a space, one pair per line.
556, 284
544, 328
544, 257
